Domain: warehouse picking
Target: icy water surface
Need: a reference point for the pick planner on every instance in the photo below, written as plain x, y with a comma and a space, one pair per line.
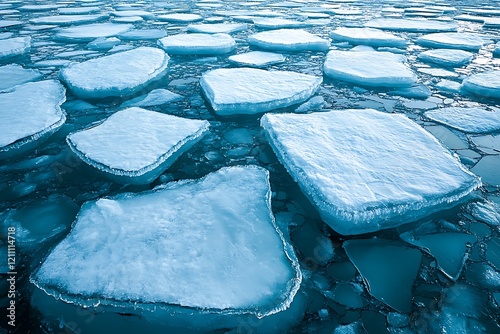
437, 273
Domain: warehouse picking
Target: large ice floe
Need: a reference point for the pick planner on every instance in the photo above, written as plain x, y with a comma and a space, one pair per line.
369, 68
217, 28
238, 91
288, 40
198, 44
486, 84
119, 74
69, 19
257, 58
364, 170
470, 120
13, 75
446, 57
29, 114
87, 33
410, 25
136, 145
214, 257
452, 40
13, 47
367, 36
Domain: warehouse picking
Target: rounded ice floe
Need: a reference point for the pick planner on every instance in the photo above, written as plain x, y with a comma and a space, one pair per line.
238, 91
143, 34
257, 58
78, 10
12, 47
411, 25
359, 167
180, 18
10, 23
367, 36
462, 40
13, 75
206, 253
133, 13
486, 84
86, 33
369, 68
446, 57
29, 113
198, 44
278, 23
154, 98
119, 74
470, 120
136, 145
69, 19
288, 40
217, 28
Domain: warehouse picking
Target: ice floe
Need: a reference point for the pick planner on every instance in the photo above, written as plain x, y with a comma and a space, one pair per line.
198, 44
410, 25
470, 120
12, 47
180, 18
257, 58
119, 74
217, 28
86, 33
321, 151
143, 34
278, 23
238, 91
136, 145
288, 40
69, 19
13, 75
486, 84
156, 97
446, 57
367, 36
453, 40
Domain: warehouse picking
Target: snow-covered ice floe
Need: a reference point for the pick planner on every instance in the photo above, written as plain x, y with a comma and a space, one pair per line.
369, 68
86, 33
69, 19
13, 75
288, 40
119, 74
180, 17
203, 254
470, 120
364, 170
453, 40
367, 36
30, 113
257, 58
486, 84
410, 25
446, 57
238, 91
217, 28
136, 145
13, 47
198, 44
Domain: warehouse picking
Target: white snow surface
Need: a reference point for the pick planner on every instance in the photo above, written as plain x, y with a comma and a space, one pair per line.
198, 44
16, 46
486, 84
288, 40
470, 120
367, 36
411, 25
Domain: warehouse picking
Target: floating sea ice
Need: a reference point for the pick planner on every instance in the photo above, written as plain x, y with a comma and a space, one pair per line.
31, 112
237, 91
257, 59
492, 22
156, 97
418, 91
453, 40
119, 74
136, 145
103, 43
78, 10
470, 120
369, 68
180, 18
367, 36
12, 47
448, 86
38, 8
217, 28
288, 40
488, 212
496, 51
198, 44
487, 169
69, 19
10, 23
132, 13
446, 57
13, 75
411, 25
389, 269
278, 23
358, 167
87, 33
214, 240
143, 34
486, 84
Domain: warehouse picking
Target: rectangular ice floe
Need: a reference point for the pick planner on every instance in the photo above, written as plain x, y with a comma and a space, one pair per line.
136, 145
367, 170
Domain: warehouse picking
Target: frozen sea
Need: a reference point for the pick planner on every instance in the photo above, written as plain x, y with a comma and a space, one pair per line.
367, 200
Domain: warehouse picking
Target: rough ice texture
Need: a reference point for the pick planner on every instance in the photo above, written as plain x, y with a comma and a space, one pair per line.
119, 74
411, 25
365, 170
452, 40
209, 244
29, 113
13, 75
180, 18
69, 19
277, 23
486, 84
16, 46
288, 40
154, 98
369, 68
217, 28
87, 33
257, 58
445, 57
143, 34
470, 120
249, 91
136, 142
367, 36
198, 44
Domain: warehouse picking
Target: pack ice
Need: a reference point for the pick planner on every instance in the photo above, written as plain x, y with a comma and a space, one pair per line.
89, 32
123, 73
486, 84
198, 44
411, 25
288, 40
12, 47
29, 113
369, 68
470, 120
13, 75
217, 28
446, 57
257, 58
237, 91
136, 145
191, 250
452, 40
367, 36
364, 170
